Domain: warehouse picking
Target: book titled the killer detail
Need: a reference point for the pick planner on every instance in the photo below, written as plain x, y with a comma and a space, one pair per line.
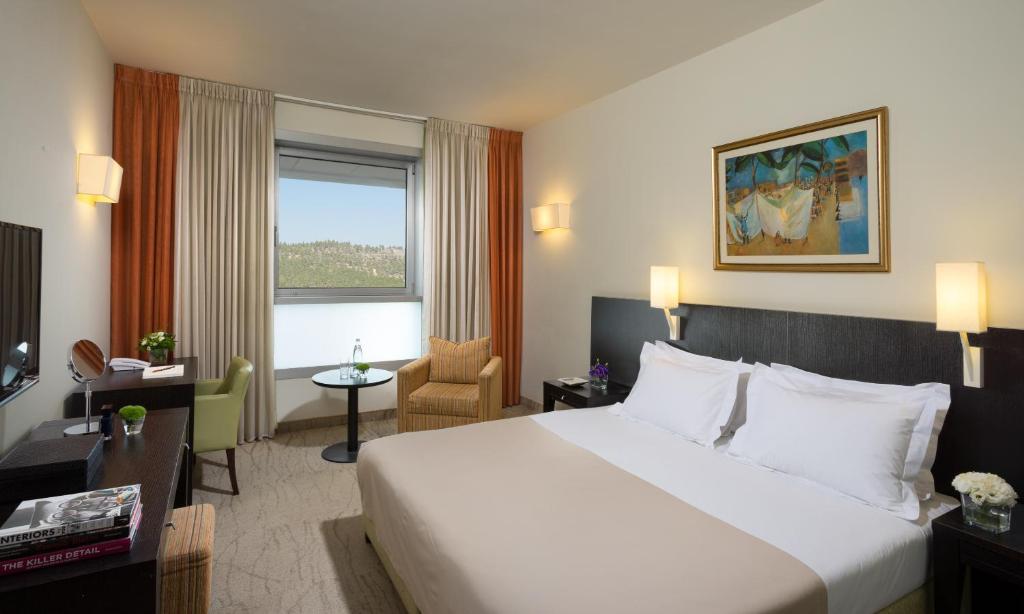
70, 555
38, 520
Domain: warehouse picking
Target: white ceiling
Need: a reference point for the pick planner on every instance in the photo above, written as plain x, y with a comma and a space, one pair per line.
507, 63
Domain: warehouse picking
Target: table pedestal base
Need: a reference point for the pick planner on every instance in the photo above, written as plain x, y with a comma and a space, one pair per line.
339, 453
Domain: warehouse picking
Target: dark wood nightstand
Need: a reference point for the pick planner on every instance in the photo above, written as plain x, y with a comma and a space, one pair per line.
957, 546
582, 396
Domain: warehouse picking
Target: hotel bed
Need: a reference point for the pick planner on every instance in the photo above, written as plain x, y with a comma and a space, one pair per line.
586, 511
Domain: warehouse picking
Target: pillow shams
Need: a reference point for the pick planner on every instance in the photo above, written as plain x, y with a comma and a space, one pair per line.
692, 402
855, 446
925, 441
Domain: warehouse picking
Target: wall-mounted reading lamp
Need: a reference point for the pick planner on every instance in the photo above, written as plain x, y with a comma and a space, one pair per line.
547, 217
665, 295
99, 178
961, 305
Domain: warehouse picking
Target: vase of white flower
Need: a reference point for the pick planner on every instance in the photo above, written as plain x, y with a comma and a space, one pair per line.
158, 344
987, 500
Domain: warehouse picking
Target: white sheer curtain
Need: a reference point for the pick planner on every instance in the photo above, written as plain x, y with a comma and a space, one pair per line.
456, 287
224, 238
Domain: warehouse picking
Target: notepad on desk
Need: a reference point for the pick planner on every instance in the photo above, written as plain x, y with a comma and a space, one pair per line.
163, 371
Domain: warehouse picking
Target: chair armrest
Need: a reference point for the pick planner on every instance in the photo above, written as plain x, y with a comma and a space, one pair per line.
489, 381
216, 426
205, 387
410, 377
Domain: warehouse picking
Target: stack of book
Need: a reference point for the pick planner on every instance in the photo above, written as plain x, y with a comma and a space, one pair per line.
58, 530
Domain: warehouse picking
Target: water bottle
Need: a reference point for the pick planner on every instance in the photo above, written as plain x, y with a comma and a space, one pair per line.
357, 357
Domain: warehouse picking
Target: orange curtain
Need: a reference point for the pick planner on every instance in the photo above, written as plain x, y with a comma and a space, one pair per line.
142, 222
505, 238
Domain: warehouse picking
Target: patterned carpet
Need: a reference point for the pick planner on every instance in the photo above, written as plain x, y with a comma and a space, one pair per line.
292, 541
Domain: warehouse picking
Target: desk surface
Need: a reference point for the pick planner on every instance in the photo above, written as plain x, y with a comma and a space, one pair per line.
149, 458
132, 380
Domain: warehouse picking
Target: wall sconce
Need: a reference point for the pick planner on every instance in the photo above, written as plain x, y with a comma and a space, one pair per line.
665, 295
961, 305
99, 178
546, 217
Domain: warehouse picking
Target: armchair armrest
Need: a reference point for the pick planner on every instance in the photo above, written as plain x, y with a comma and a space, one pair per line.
205, 387
216, 426
489, 381
410, 377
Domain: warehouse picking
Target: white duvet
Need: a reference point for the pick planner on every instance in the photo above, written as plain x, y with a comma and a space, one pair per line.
867, 557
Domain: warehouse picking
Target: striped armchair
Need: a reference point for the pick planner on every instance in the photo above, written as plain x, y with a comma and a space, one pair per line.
455, 384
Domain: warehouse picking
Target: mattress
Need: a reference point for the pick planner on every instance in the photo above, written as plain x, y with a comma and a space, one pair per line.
586, 511
867, 557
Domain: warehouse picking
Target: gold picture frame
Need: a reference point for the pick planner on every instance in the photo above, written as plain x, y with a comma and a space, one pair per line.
814, 198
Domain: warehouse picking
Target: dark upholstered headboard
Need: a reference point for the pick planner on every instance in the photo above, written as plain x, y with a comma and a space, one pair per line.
984, 430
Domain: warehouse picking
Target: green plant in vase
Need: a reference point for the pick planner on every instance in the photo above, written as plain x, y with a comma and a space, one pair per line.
133, 416
158, 344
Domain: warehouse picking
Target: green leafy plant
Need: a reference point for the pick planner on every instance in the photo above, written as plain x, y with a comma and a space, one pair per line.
158, 340
132, 413
362, 367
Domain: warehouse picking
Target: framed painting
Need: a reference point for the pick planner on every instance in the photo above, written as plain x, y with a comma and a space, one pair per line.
811, 198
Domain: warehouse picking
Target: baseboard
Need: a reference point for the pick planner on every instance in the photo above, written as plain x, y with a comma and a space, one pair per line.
291, 426
530, 403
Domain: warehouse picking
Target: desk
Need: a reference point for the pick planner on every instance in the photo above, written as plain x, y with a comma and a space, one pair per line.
120, 388
128, 582
347, 451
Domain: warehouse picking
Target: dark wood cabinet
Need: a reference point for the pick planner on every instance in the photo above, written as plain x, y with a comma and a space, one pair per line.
581, 396
128, 582
996, 563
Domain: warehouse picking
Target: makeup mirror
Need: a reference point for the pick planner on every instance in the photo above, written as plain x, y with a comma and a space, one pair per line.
86, 362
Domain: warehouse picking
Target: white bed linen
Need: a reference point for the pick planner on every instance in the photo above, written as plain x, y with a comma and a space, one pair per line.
867, 557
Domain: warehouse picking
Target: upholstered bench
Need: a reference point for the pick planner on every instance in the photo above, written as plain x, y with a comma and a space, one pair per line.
187, 567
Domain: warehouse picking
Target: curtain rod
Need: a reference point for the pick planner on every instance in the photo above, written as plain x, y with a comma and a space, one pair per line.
416, 119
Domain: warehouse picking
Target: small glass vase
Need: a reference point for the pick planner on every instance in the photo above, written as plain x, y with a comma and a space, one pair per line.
158, 356
134, 427
992, 518
599, 383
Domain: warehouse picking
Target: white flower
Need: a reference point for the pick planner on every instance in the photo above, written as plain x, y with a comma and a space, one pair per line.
985, 488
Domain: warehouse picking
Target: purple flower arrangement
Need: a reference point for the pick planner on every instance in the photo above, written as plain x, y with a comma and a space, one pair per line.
598, 375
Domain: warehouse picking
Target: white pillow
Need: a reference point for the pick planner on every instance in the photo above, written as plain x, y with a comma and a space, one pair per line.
670, 352
856, 446
693, 402
925, 441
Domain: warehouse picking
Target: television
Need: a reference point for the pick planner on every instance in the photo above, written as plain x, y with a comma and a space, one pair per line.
21, 254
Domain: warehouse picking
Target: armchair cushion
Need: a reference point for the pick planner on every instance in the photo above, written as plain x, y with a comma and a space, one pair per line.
441, 399
458, 363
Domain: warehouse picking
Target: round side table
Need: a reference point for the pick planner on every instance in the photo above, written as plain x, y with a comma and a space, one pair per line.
347, 451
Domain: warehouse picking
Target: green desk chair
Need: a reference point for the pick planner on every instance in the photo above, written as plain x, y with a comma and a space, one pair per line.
218, 410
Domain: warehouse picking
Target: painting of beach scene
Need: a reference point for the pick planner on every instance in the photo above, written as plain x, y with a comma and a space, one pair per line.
811, 198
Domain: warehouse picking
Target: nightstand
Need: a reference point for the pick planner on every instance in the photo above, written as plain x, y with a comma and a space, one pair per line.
582, 396
957, 546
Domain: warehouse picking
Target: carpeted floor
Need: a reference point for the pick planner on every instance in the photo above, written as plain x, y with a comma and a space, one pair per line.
292, 541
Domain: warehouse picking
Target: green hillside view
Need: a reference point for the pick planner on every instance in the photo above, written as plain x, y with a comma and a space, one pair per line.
335, 264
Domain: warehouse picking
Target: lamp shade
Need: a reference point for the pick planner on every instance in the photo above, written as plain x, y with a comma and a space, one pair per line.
961, 301
665, 287
546, 217
99, 178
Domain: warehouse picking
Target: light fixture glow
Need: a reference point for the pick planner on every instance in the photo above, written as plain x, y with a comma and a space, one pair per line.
547, 217
961, 305
665, 295
99, 178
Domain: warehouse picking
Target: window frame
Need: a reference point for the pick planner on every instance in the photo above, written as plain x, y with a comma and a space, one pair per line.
410, 292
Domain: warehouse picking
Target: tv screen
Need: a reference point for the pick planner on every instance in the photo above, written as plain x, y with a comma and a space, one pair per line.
21, 251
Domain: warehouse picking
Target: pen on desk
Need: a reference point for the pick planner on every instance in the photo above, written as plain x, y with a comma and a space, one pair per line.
159, 369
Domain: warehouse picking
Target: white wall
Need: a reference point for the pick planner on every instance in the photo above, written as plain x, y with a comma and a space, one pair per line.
636, 166
299, 398
56, 100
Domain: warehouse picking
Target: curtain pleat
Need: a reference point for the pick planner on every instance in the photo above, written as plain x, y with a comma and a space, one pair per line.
142, 221
505, 239
456, 286
225, 224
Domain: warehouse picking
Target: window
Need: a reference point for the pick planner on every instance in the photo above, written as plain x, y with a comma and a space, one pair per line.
344, 226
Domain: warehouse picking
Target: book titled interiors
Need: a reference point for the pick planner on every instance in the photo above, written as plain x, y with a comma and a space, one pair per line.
51, 517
